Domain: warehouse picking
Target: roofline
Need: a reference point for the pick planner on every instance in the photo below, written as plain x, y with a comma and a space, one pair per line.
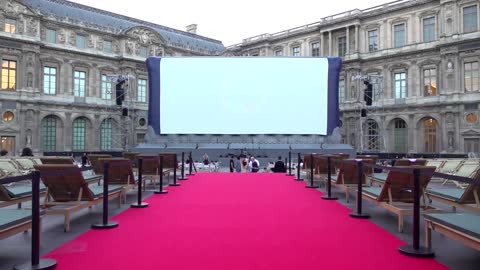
131, 19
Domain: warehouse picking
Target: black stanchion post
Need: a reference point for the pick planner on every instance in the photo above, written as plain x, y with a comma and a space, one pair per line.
290, 164
299, 167
311, 173
36, 262
415, 250
182, 177
139, 203
329, 181
160, 171
175, 184
190, 164
359, 213
105, 223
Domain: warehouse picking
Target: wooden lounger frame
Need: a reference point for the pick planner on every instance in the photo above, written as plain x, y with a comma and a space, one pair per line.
452, 233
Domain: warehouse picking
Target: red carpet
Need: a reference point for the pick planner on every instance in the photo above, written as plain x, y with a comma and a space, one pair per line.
238, 221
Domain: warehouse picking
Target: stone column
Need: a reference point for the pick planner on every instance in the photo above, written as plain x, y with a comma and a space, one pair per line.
330, 43
412, 138
322, 45
67, 133
356, 38
348, 40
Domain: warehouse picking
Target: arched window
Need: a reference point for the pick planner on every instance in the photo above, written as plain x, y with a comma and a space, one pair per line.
79, 132
400, 136
106, 134
49, 133
372, 135
430, 135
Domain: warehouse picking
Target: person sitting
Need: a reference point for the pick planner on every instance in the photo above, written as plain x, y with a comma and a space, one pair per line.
279, 166
206, 160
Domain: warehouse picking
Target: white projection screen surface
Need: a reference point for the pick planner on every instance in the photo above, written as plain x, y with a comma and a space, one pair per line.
243, 95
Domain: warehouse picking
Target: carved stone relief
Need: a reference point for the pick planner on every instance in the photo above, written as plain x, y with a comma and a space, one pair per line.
72, 38
14, 8
32, 26
61, 36
144, 36
90, 42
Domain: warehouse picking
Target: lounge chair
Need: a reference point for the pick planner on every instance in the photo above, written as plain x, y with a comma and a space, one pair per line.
14, 221
437, 163
347, 177
468, 168
396, 195
464, 227
57, 160
121, 175
10, 168
97, 166
68, 192
25, 164
17, 193
169, 162
468, 198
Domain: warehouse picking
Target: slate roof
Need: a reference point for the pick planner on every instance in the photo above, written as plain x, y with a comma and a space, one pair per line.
65, 9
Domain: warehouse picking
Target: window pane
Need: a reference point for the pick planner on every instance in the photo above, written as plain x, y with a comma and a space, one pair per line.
142, 51
79, 134
400, 85
429, 29
341, 90
279, 53
49, 133
372, 40
107, 46
9, 75
80, 42
296, 51
399, 35
342, 46
106, 134
470, 18
430, 82
79, 83
51, 36
49, 80
142, 90
10, 25
106, 88
471, 76
316, 49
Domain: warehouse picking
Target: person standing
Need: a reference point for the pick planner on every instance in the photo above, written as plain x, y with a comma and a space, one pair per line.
254, 165
232, 164
238, 165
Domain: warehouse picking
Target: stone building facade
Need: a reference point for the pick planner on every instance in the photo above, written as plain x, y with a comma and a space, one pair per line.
422, 59
58, 60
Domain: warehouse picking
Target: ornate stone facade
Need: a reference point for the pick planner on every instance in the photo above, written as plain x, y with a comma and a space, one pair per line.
47, 48
423, 60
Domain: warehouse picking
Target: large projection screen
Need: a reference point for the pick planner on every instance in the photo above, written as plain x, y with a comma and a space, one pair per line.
243, 95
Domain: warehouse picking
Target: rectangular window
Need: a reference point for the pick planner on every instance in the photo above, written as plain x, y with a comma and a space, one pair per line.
9, 75
296, 51
316, 49
399, 35
429, 29
106, 88
279, 53
142, 51
400, 85
107, 46
80, 41
472, 76
79, 78
372, 40
472, 145
10, 25
8, 144
342, 46
51, 36
375, 81
430, 82
106, 134
341, 91
142, 90
49, 80
470, 19
49, 131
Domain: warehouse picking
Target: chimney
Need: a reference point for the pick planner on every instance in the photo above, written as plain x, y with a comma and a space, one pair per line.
192, 28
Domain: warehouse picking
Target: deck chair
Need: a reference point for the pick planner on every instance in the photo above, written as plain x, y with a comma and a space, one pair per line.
25, 164
464, 227
96, 164
437, 163
396, 195
150, 168
57, 160
374, 158
121, 175
468, 198
169, 162
14, 221
17, 193
347, 177
132, 156
10, 168
450, 165
468, 168
68, 192
409, 162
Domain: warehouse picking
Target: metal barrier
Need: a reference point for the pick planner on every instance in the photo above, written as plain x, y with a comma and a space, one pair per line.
139, 203
106, 224
182, 177
160, 170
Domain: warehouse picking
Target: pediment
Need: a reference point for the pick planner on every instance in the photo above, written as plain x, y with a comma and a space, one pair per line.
14, 8
470, 133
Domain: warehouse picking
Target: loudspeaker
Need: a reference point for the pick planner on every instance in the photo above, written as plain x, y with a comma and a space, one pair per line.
119, 93
124, 112
368, 92
363, 113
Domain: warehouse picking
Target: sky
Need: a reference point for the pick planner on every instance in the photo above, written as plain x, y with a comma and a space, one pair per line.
231, 21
